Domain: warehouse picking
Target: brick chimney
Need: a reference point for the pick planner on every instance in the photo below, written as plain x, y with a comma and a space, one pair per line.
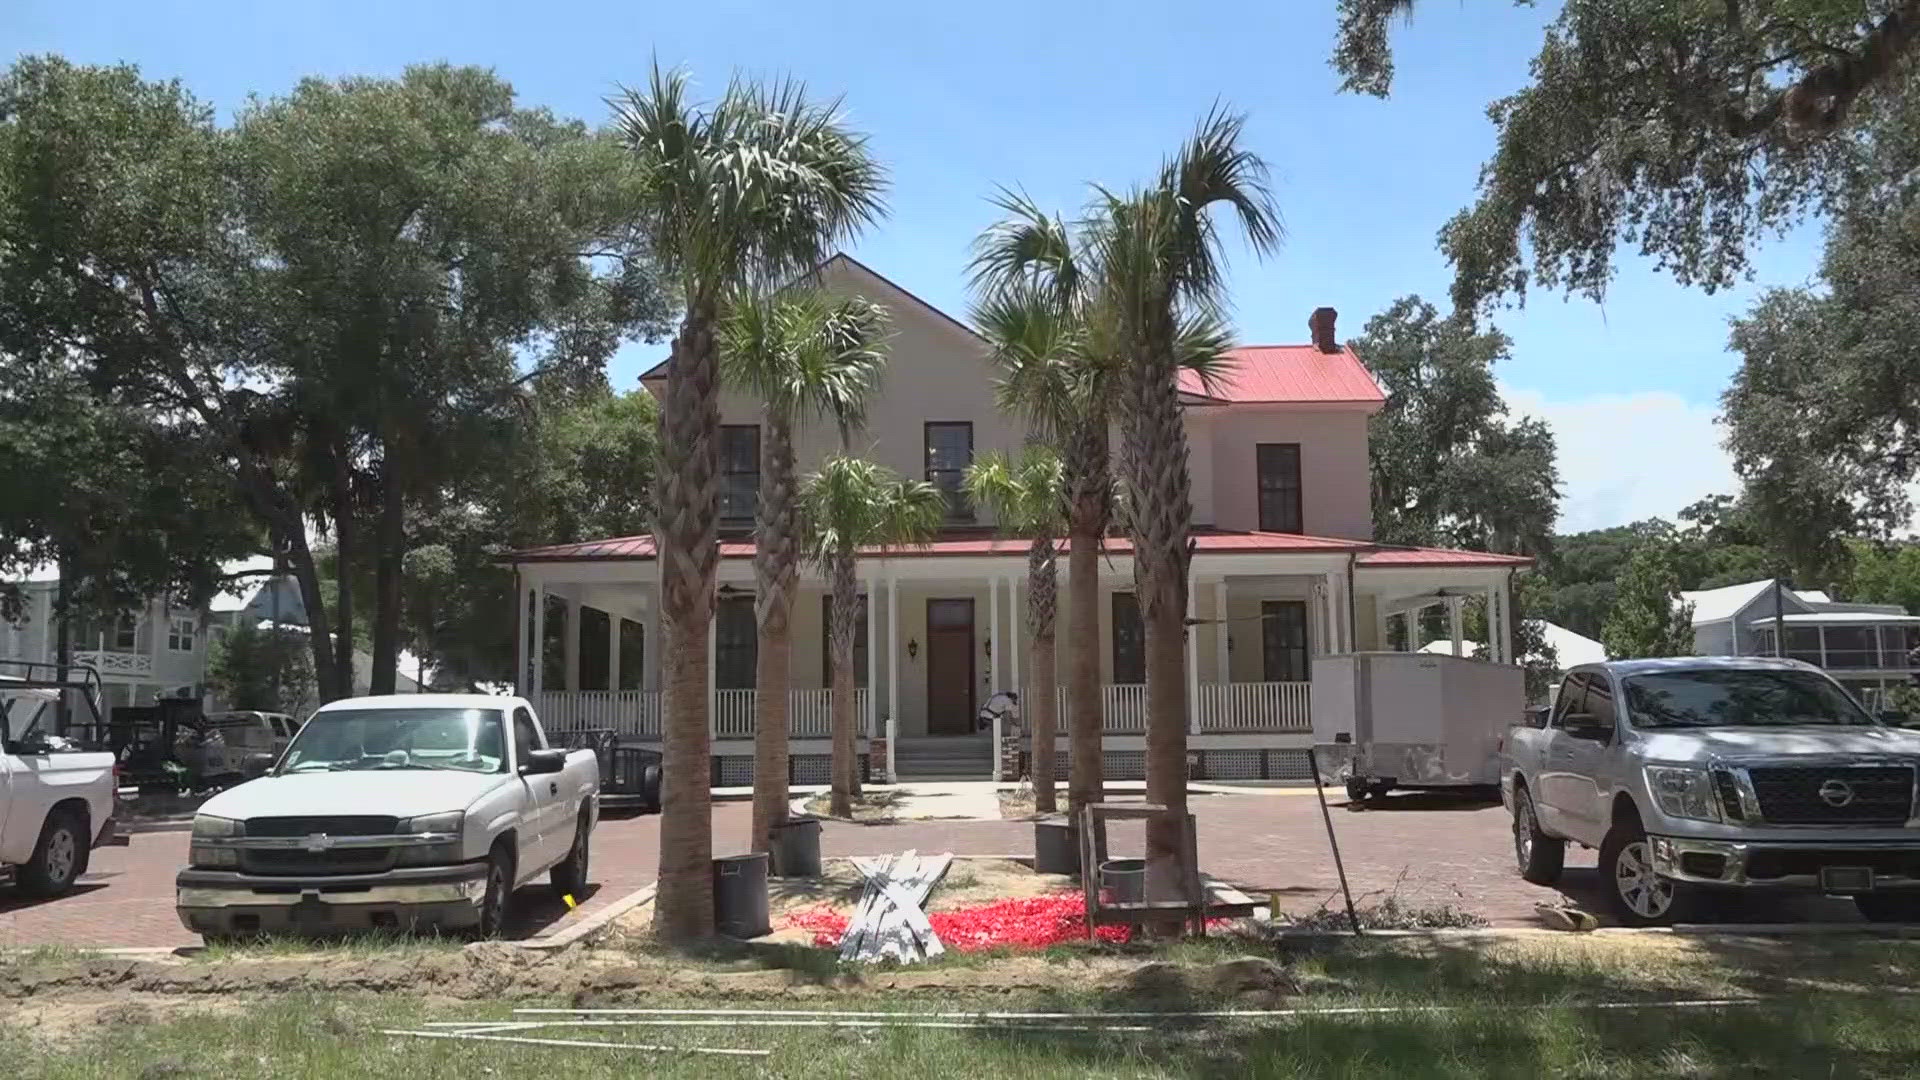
1321, 323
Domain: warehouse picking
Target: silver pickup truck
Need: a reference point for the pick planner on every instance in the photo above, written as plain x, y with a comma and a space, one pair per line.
1697, 775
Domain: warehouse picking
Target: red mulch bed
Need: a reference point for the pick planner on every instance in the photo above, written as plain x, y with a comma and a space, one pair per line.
1028, 922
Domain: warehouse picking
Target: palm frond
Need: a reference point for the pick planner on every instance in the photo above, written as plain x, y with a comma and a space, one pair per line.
1026, 495
1201, 342
850, 503
1028, 247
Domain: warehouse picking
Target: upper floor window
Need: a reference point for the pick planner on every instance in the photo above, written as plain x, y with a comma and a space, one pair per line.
125, 633
949, 452
181, 630
1279, 466
739, 472
1129, 640
736, 643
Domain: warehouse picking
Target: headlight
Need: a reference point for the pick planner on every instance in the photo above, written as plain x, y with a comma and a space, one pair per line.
432, 854
213, 856
1683, 792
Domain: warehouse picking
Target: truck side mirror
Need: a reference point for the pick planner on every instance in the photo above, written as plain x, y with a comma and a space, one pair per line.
1894, 717
256, 765
536, 762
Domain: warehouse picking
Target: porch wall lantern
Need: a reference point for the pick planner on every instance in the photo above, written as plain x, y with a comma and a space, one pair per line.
913, 648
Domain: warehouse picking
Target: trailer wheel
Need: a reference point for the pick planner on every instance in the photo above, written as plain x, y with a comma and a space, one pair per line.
58, 859
1540, 856
1356, 789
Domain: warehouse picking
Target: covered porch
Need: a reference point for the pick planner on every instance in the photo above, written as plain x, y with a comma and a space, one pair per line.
943, 631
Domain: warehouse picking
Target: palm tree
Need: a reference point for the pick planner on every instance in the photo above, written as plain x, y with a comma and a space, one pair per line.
806, 356
1161, 278
748, 192
851, 503
1026, 496
1061, 357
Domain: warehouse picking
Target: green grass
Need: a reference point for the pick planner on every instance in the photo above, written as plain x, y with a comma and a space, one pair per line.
373, 945
1834, 1011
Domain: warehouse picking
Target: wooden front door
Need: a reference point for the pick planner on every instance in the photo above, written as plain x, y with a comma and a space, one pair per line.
950, 667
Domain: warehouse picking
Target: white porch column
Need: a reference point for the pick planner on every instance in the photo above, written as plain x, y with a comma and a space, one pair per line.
1220, 628
523, 625
539, 639
613, 651
1016, 618
873, 658
1506, 622
893, 659
994, 655
570, 645
1193, 661
1493, 622
1456, 622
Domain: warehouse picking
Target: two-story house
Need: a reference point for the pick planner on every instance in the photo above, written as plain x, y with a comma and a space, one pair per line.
1284, 571
1869, 648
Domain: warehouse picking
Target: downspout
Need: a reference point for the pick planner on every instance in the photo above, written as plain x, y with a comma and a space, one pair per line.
520, 650
1353, 635
1507, 618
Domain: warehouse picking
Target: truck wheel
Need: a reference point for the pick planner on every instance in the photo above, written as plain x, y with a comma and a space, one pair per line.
496, 906
58, 859
569, 877
1635, 894
1540, 856
1889, 907
650, 789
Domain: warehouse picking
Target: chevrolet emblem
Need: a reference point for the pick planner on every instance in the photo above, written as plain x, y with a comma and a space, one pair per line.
316, 843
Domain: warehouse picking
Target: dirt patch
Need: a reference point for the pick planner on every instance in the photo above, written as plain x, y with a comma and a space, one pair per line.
870, 807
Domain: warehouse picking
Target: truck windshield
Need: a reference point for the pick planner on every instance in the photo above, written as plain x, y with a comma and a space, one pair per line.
469, 740
1734, 697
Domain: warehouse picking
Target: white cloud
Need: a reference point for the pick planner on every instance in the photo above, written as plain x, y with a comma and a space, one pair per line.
1628, 457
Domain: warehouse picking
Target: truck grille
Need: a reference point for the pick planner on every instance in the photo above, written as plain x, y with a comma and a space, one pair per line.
1875, 794
364, 825
317, 863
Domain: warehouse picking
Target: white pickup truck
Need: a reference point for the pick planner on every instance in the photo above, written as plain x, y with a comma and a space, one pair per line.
410, 811
56, 801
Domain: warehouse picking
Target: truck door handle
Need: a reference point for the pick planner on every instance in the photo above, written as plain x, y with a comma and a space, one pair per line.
553, 789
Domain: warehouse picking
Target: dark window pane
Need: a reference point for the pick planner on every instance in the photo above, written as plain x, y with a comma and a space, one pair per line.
594, 646
949, 452
739, 471
1279, 469
1852, 647
1572, 699
826, 643
1283, 640
1129, 640
633, 655
950, 614
735, 643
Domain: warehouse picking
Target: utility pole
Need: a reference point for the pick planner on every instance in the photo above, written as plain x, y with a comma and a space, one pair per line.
1779, 621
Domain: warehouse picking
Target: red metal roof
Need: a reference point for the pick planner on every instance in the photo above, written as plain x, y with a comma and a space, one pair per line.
1277, 374
631, 548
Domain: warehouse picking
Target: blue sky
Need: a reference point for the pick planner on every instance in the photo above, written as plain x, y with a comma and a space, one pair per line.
961, 97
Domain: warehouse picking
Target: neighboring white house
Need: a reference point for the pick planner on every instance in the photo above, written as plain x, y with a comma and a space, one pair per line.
1867, 647
1570, 649
161, 649
1285, 572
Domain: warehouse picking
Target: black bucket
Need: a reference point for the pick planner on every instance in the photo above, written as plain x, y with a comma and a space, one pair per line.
796, 847
740, 896
1056, 847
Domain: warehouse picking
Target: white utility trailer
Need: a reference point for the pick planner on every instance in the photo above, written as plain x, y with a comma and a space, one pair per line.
1385, 720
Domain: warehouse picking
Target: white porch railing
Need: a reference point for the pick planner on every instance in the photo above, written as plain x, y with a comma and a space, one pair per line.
636, 713
628, 712
1262, 706
112, 662
1255, 706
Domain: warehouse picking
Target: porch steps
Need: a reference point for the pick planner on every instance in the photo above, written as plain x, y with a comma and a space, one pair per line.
944, 759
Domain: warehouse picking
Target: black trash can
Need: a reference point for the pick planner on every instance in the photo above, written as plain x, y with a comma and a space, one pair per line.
1056, 847
1124, 881
740, 895
796, 847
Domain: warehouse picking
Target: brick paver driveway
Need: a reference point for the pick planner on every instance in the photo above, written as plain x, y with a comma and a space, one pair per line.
1426, 850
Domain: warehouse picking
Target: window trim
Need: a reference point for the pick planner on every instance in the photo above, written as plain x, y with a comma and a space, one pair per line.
959, 508
173, 633
1261, 492
727, 474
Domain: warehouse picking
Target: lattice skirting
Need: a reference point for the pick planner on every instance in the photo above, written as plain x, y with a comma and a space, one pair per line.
1259, 763
736, 770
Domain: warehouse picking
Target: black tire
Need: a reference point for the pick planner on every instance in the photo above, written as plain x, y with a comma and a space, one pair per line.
569, 876
1636, 896
1540, 857
496, 905
1356, 789
1889, 907
650, 789
59, 858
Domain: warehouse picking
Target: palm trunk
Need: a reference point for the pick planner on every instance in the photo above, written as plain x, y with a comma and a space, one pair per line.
390, 542
326, 677
846, 610
775, 562
345, 551
1043, 699
685, 536
1088, 475
1160, 518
